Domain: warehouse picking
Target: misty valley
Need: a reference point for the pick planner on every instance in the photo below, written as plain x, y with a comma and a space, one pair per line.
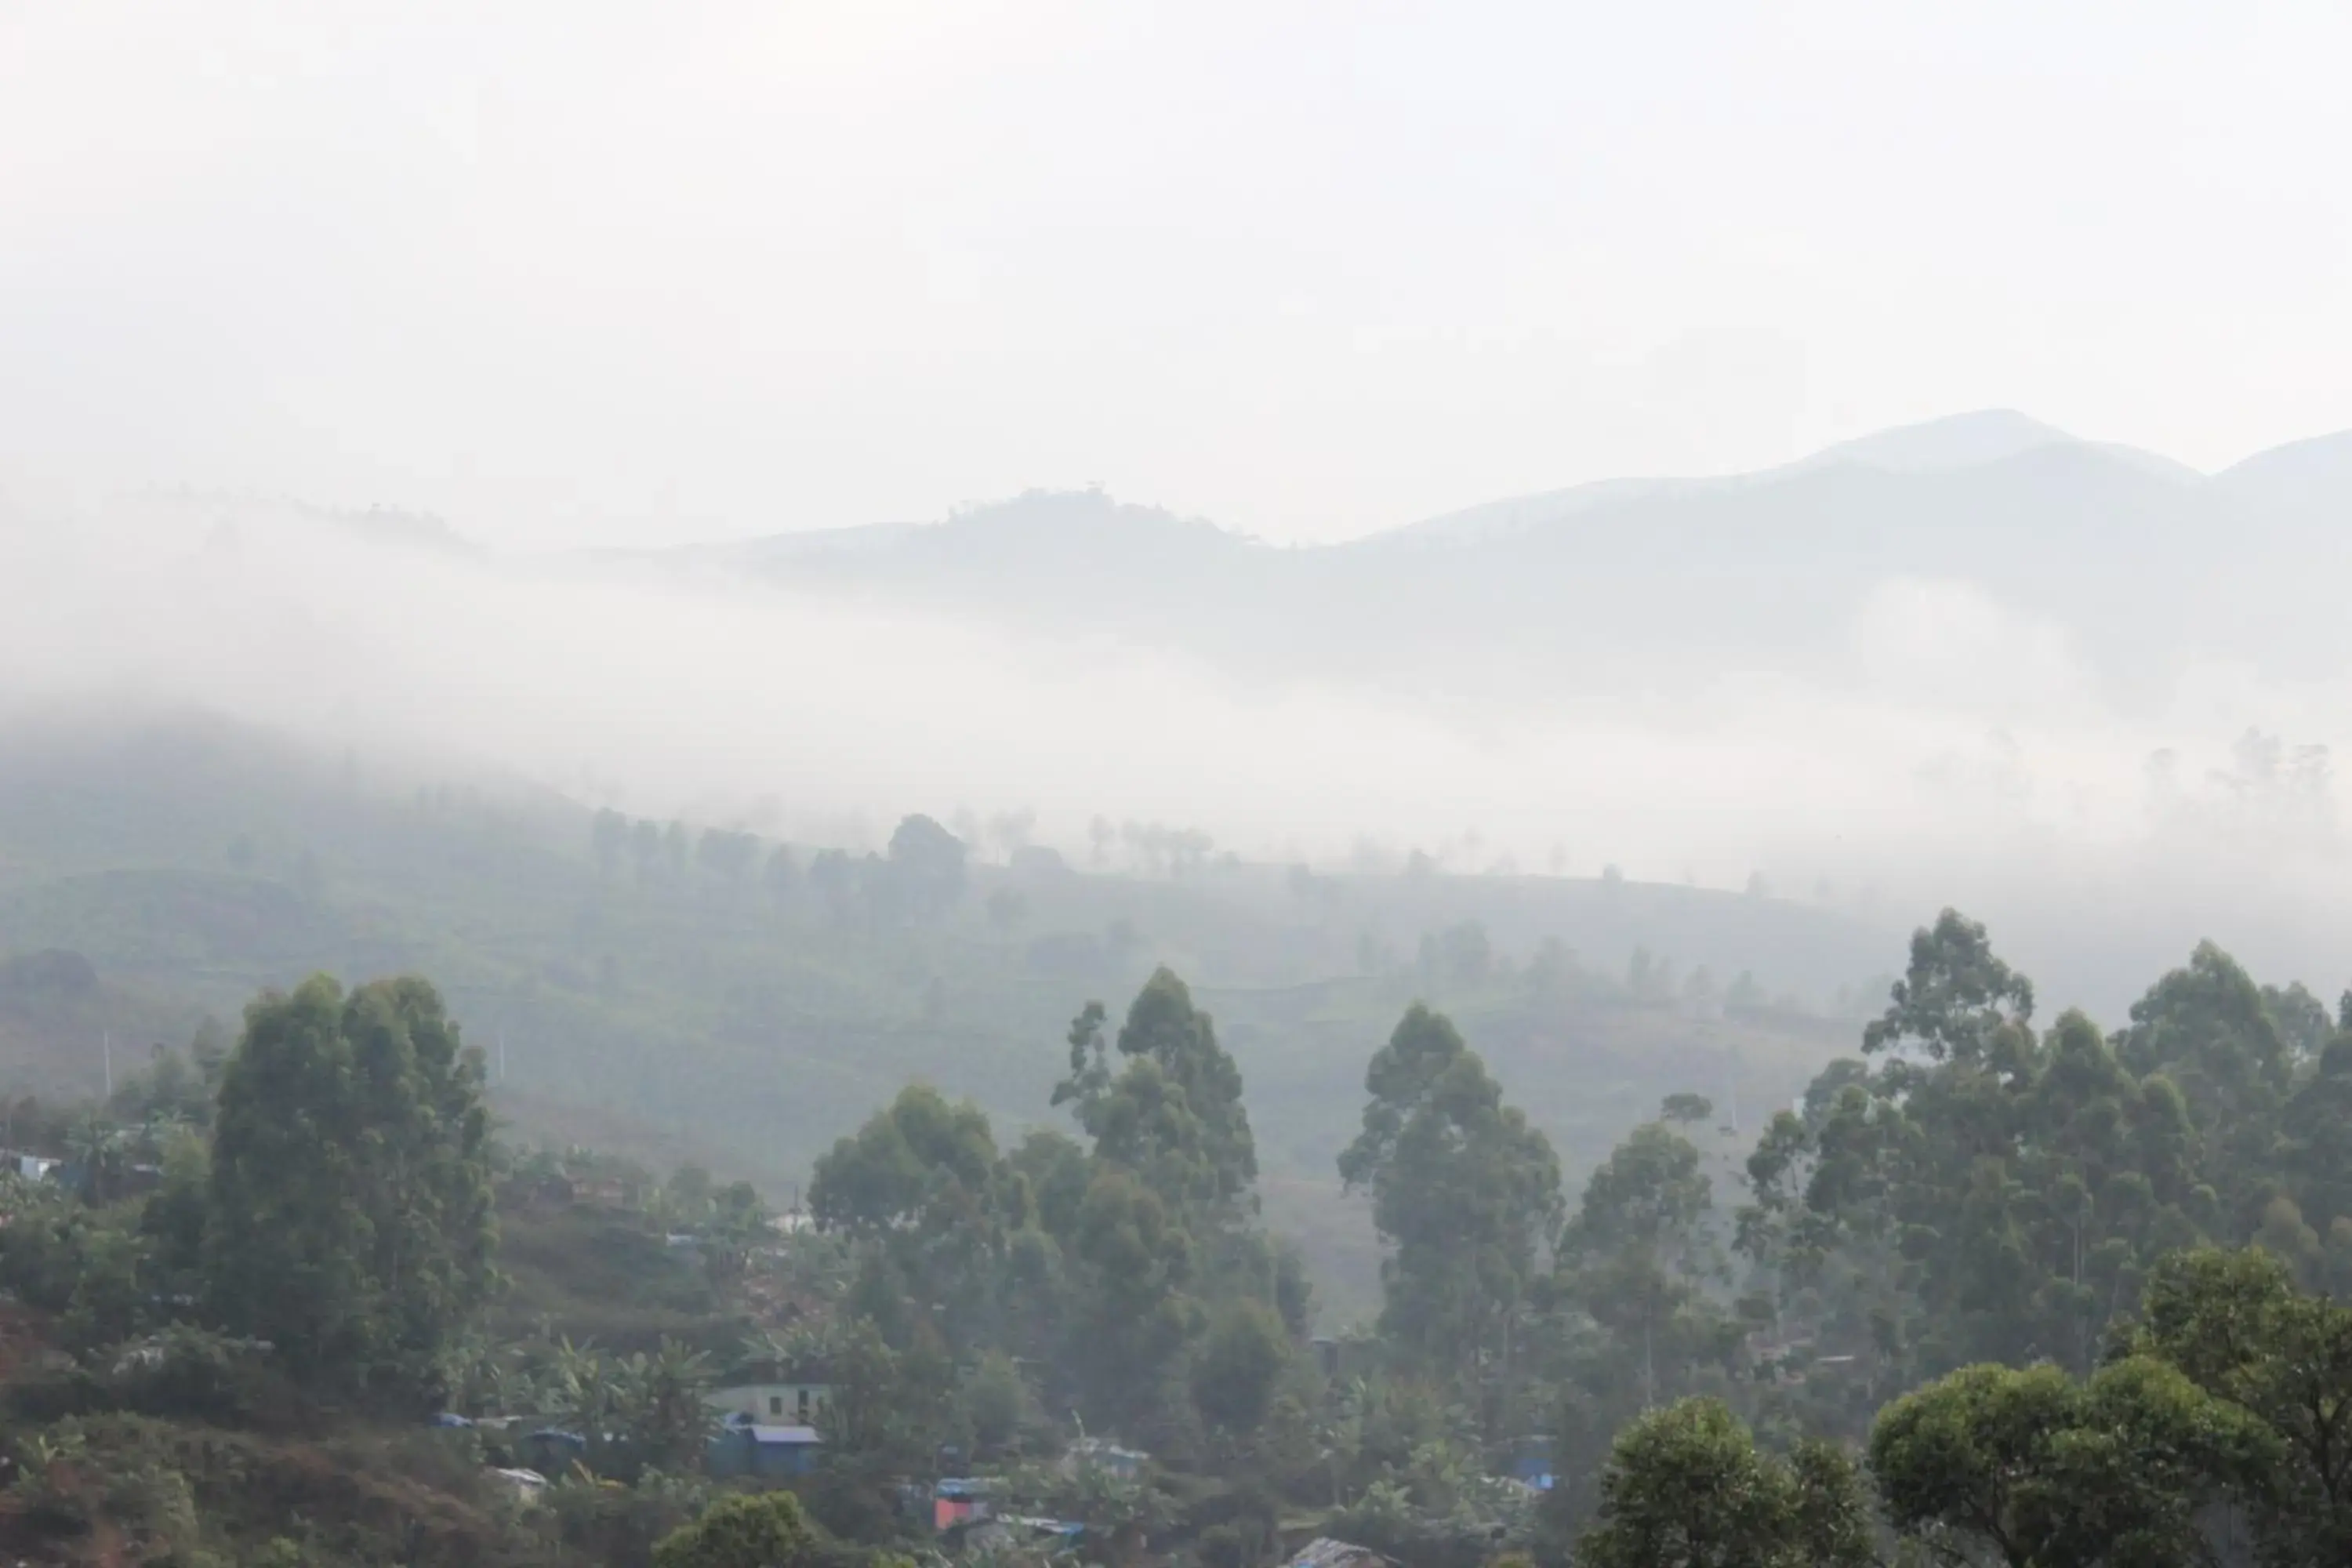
881, 783
653, 1191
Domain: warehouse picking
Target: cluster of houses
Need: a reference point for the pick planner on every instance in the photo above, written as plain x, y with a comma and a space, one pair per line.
755, 1439
124, 1179
769, 1431
766, 1430
965, 1507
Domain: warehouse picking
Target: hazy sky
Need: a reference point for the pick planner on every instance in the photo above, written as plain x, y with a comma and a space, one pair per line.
599, 272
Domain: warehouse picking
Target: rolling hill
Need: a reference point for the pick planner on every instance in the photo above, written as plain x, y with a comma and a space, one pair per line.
154, 875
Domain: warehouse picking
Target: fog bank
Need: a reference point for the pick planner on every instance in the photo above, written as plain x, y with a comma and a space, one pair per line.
1964, 756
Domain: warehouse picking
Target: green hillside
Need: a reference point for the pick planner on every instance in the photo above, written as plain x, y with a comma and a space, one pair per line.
659, 1006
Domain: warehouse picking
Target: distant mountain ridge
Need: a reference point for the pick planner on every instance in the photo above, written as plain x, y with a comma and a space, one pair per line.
2142, 562
2141, 565
1077, 520
2313, 475
1935, 446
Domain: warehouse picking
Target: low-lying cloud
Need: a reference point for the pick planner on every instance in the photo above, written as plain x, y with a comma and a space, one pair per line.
1966, 756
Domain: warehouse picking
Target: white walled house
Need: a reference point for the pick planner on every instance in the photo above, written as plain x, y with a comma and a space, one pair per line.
787, 1403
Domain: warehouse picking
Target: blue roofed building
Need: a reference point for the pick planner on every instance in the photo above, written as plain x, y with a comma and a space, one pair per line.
746, 1448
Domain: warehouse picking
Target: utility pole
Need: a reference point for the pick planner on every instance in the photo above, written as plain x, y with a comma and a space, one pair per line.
502, 1058
106, 1052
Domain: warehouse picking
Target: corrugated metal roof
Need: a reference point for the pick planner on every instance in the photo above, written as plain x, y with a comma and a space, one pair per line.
798, 1437
1325, 1553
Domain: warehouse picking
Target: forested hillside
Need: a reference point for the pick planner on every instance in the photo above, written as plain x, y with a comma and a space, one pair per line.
684, 991
1995, 1290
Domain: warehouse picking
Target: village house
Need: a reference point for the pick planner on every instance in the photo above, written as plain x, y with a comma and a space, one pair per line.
744, 1448
793, 1404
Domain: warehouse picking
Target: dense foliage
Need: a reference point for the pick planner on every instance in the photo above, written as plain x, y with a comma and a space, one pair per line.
1993, 1292
349, 1219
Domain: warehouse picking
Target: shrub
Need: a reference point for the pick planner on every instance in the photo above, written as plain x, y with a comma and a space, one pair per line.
763, 1529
